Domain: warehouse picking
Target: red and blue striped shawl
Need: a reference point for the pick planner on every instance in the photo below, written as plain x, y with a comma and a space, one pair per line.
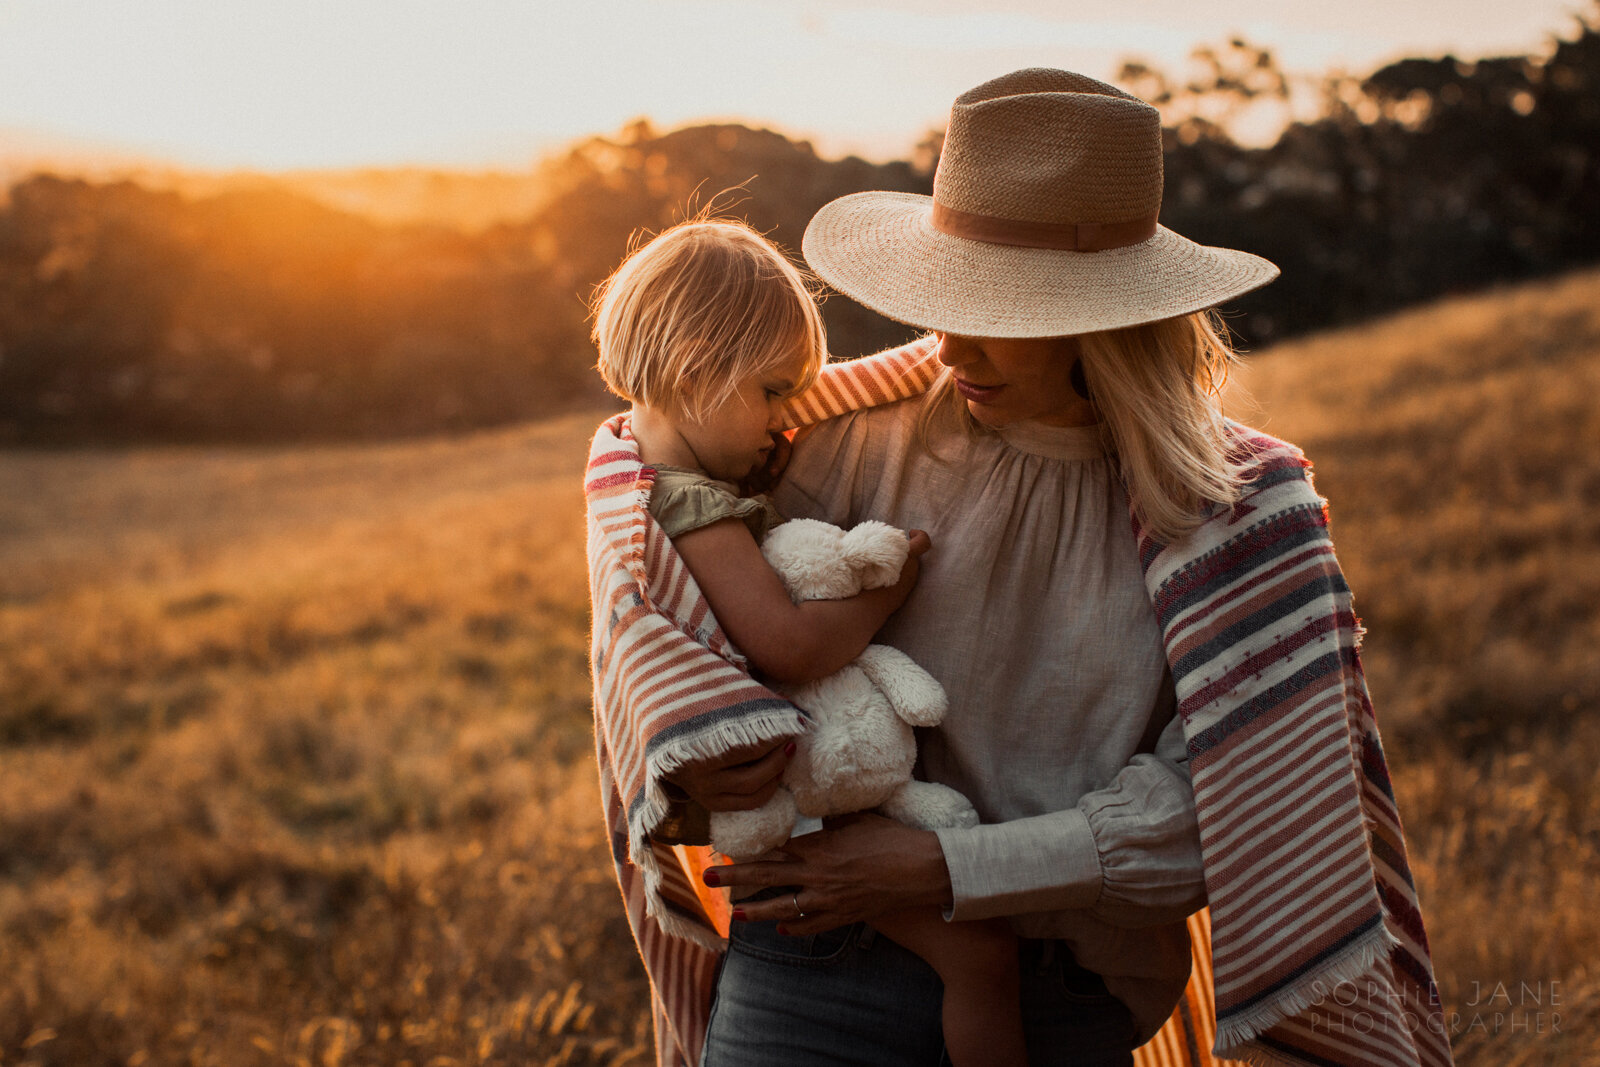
1318, 954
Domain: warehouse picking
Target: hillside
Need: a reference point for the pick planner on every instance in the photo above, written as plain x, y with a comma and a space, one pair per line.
384, 304
294, 750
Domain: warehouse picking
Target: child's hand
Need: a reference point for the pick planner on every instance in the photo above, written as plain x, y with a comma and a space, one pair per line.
764, 477
919, 543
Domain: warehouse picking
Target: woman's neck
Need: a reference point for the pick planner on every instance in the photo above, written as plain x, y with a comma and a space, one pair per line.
1075, 412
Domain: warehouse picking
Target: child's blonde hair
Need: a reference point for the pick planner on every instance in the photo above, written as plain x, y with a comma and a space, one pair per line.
702, 307
1157, 388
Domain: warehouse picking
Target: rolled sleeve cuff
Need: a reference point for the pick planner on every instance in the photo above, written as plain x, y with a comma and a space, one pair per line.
1043, 863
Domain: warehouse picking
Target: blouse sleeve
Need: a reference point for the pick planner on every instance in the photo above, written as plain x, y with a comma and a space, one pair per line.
1129, 853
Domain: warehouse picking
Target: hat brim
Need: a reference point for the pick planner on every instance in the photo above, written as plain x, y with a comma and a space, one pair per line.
881, 249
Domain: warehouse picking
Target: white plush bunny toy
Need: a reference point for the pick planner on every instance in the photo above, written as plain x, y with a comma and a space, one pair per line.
858, 750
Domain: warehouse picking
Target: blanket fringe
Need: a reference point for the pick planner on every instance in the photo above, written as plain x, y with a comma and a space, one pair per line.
683, 929
709, 744
668, 920
1236, 1037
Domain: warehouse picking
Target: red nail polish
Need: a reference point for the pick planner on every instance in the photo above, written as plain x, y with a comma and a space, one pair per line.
711, 877
738, 915
783, 930
789, 749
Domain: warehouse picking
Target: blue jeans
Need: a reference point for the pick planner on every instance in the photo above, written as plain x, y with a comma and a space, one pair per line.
852, 996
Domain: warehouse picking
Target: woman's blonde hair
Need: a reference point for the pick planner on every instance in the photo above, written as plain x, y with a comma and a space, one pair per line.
1157, 389
702, 307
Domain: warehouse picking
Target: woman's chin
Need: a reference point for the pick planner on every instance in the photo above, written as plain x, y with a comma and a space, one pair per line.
986, 415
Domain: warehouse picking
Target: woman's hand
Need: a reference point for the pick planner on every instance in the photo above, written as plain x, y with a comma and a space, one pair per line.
739, 780
859, 867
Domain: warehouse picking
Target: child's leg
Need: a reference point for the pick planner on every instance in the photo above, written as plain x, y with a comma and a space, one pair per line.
977, 961
982, 995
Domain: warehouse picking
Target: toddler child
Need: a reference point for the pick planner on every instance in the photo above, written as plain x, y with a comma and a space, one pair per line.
707, 330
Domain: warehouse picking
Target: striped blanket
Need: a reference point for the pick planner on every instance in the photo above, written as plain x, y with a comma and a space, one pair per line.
1318, 953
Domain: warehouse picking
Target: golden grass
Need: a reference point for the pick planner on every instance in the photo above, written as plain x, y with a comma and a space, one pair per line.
296, 762
294, 747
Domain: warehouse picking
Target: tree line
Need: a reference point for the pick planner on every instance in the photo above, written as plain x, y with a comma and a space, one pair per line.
135, 314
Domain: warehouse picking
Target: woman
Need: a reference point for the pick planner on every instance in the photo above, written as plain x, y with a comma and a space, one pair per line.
1145, 716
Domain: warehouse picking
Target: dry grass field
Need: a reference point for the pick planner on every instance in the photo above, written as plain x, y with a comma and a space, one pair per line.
295, 762
294, 749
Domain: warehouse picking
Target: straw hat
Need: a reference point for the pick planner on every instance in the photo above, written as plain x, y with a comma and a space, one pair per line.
1042, 222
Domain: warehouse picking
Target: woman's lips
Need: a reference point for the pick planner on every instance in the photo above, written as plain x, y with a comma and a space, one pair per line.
981, 394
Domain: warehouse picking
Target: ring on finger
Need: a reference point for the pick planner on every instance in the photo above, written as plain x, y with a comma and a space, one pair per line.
799, 912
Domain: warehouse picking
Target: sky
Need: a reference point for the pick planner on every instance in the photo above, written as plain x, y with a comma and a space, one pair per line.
289, 84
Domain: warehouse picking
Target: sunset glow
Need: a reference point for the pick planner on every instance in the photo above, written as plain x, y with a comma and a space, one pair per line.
303, 83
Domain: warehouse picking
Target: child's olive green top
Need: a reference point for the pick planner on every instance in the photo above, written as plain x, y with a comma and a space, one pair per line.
685, 499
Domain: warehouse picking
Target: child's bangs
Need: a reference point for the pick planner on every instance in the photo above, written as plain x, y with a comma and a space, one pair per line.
797, 330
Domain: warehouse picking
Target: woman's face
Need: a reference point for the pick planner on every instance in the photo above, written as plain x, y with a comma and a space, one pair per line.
1006, 380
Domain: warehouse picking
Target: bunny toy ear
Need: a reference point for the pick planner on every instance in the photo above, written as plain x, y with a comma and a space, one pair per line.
876, 551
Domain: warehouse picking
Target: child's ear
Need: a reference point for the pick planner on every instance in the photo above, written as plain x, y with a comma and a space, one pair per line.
876, 552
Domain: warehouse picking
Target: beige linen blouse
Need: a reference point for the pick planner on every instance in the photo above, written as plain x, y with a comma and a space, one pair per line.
1031, 610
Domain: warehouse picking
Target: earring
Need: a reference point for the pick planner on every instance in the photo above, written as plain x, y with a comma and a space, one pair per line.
1080, 384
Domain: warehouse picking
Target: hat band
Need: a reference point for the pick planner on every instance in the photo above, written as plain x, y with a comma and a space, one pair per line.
1070, 236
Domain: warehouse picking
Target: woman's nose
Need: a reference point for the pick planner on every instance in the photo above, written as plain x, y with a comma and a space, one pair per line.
954, 351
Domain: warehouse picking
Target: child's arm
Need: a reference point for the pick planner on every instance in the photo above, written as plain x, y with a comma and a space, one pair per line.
785, 641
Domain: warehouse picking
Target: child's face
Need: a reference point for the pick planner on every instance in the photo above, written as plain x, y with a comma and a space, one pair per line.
735, 438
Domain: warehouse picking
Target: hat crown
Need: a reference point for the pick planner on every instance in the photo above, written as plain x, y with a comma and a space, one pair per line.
1051, 146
